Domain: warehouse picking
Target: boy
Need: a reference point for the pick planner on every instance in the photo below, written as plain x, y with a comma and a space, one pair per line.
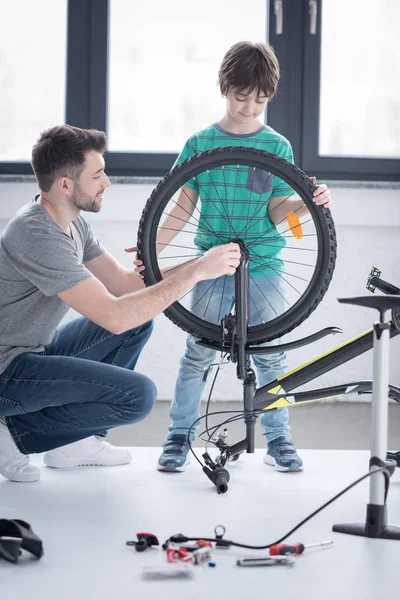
248, 78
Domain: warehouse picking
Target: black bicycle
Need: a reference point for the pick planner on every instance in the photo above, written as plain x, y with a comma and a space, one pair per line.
291, 256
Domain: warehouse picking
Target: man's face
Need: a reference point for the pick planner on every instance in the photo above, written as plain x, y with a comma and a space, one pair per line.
244, 106
88, 191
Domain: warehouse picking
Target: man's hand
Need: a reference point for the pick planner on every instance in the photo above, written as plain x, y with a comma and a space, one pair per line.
218, 261
322, 195
138, 264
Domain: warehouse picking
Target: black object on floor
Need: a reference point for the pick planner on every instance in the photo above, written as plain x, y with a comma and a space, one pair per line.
15, 536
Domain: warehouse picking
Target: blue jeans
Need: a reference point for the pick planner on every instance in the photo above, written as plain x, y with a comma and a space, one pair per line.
81, 385
189, 386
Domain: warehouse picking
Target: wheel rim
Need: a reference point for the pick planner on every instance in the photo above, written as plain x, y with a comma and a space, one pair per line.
271, 247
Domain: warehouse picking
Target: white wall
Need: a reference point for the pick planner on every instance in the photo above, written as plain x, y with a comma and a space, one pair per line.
368, 228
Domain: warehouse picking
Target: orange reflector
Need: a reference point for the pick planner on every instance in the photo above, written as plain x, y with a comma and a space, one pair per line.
295, 225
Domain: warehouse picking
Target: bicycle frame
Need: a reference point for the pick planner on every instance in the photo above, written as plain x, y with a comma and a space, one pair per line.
275, 393
279, 393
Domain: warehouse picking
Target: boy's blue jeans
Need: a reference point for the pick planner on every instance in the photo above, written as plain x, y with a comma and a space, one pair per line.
189, 386
81, 385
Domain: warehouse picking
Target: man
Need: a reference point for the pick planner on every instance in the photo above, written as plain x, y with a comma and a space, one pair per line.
62, 388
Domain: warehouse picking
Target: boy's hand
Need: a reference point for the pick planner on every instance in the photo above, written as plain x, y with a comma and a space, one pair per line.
322, 195
138, 264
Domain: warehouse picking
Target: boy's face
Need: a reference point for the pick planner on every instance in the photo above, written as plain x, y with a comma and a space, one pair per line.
244, 106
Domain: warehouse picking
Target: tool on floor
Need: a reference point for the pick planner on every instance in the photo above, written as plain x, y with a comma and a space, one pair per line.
269, 561
201, 556
298, 548
176, 553
144, 541
169, 571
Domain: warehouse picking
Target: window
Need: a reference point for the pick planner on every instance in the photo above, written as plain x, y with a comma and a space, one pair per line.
32, 72
360, 79
339, 96
146, 73
163, 67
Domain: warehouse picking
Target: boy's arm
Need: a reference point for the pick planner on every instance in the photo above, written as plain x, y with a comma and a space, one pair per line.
177, 217
280, 206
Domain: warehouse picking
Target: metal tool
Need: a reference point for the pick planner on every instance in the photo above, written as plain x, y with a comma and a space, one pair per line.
269, 561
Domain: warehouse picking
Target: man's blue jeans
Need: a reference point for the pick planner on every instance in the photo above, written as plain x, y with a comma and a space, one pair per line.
267, 300
81, 385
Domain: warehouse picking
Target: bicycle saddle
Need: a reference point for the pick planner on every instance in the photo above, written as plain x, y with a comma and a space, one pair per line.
381, 303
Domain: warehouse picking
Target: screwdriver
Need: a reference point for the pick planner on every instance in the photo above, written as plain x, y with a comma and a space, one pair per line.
281, 549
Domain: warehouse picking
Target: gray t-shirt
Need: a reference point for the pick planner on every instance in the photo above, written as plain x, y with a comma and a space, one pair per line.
37, 262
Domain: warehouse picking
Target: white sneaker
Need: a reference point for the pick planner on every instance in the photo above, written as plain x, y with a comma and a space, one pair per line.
90, 452
13, 464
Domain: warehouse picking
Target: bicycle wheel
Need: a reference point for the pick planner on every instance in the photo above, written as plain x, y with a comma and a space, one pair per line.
196, 206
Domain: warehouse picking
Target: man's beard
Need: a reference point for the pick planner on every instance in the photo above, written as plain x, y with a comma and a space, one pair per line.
83, 201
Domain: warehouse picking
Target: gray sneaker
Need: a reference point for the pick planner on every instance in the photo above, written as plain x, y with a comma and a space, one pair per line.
282, 455
175, 454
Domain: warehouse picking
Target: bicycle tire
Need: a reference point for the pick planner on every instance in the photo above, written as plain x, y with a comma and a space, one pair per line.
299, 181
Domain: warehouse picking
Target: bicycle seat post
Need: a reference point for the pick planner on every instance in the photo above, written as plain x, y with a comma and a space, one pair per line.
375, 525
244, 370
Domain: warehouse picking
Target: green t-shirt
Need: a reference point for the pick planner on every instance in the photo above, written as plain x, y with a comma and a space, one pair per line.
234, 198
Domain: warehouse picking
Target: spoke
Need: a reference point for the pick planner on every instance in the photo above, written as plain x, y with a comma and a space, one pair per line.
251, 192
293, 262
274, 225
256, 307
262, 205
180, 256
273, 228
195, 232
209, 231
189, 292
184, 209
209, 300
279, 292
195, 206
222, 297
187, 262
269, 266
201, 297
234, 195
174, 229
219, 198
283, 247
265, 263
176, 246
227, 207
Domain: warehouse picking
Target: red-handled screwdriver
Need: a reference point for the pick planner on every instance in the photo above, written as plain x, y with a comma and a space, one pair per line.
281, 549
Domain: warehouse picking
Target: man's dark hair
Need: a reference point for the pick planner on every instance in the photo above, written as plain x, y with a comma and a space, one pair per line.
248, 66
60, 152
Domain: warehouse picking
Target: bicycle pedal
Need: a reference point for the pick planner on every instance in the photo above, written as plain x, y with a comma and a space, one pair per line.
374, 273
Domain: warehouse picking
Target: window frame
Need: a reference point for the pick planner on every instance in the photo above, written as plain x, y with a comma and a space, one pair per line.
294, 112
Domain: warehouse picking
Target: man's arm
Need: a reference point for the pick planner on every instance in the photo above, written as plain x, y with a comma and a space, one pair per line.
92, 300
117, 279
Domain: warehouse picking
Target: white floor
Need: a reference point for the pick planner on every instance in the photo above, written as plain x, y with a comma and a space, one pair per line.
85, 516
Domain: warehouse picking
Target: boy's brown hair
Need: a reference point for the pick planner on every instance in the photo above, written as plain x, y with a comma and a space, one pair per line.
248, 66
60, 152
